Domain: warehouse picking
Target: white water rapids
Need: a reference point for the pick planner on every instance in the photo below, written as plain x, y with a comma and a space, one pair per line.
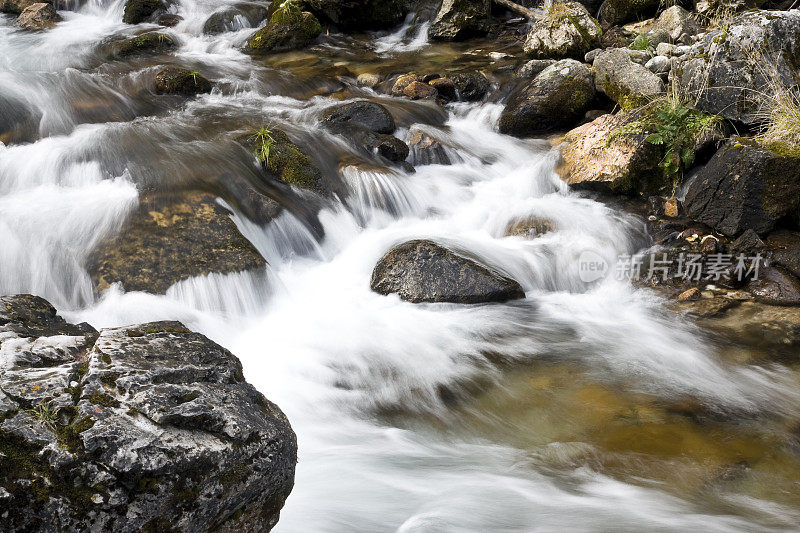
364, 378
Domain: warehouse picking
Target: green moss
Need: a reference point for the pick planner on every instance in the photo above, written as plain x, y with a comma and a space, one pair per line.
286, 162
287, 30
151, 42
102, 400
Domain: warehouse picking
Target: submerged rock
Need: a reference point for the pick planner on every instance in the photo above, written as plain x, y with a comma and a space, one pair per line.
170, 239
461, 19
423, 271
557, 98
746, 185
627, 83
38, 17
141, 428
597, 157
566, 30
288, 29
137, 11
175, 80
360, 15
775, 286
146, 43
727, 72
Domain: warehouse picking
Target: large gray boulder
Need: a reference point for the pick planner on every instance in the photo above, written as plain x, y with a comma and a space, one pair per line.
566, 30
556, 98
140, 428
746, 185
423, 271
170, 239
461, 19
624, 81
727, 72
674, 25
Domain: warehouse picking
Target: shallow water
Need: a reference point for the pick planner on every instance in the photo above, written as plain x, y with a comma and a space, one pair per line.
581, 407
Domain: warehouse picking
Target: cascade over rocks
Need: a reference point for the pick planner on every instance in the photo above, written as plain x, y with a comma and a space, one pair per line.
140, 428
170, 239
726, 70
566, 30
746, 185
556, 98
227, 19
458, 20
424, 271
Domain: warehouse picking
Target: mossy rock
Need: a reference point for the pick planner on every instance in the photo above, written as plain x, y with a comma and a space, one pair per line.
169, 239
284, 160
137, 11
146, 43
175, 80
287, 30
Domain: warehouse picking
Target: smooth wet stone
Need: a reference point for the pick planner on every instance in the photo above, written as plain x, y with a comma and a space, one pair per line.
146, 43
424, 271
362, 114
138, 11
458, 20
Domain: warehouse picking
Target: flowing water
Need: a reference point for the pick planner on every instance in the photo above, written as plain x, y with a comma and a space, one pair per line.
581, 407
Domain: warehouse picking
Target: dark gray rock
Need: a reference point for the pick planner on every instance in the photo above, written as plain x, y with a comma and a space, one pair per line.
146, 43
362, 114
616, 12
423, 271
138, 11
728, 69
745, 186
557, 98
470, 86
150, 428
458, 20
360, 14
